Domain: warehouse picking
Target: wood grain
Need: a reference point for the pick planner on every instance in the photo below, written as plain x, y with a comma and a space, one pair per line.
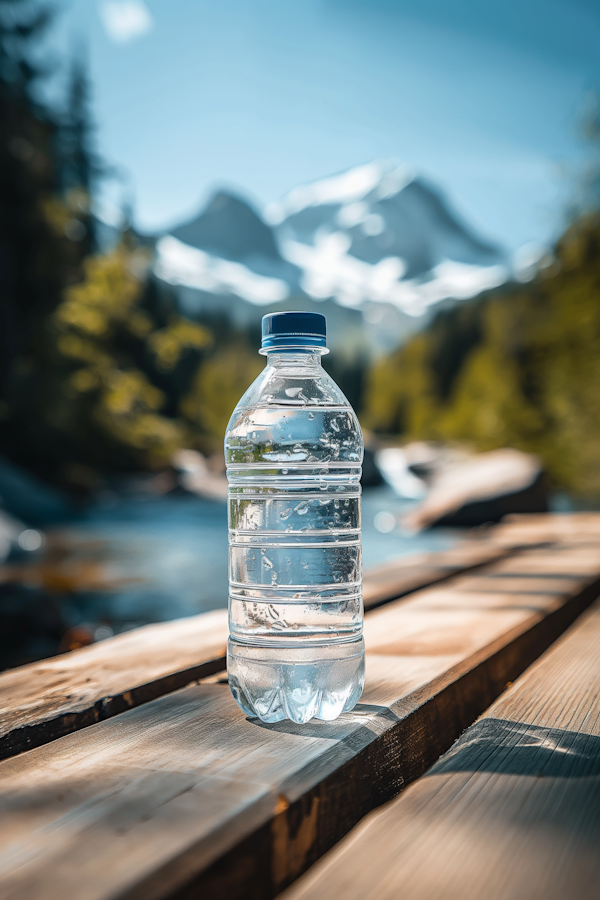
185, 797
511, 812
526, 529
389, 581
46, 700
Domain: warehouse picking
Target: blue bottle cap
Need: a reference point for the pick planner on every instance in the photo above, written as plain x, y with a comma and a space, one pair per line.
287, 330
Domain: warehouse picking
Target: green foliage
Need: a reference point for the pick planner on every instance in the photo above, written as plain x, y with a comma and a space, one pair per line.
104, 403
169, 344
125, 382
519, 366
219, 383
44, 231
93, 359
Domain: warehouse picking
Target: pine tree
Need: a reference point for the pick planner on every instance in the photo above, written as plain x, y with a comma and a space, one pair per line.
38, 257
518, 367
26, 173
79, 165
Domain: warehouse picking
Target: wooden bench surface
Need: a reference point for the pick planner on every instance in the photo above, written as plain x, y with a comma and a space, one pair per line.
539, 528
511, 812
399, 577
46, 700
184, 794
43, 701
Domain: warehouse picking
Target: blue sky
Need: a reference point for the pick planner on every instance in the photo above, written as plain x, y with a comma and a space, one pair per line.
261, 95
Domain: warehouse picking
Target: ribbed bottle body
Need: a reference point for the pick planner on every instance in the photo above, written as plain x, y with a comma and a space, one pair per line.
294, 451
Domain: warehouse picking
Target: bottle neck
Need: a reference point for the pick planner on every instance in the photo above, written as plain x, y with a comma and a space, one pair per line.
299, 356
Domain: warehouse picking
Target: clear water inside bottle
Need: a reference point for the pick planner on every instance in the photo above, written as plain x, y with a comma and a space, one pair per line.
294, 451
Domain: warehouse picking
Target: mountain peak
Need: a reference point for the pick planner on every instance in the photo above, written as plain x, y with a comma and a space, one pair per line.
375, 237
382, 178
230, 228
378, 233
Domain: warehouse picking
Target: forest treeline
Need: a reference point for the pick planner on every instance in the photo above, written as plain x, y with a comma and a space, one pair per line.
100, 373
518, 367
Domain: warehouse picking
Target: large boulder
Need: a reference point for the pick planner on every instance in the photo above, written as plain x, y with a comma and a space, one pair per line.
483, 488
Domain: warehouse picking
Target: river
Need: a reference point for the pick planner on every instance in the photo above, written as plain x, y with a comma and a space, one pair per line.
161, 558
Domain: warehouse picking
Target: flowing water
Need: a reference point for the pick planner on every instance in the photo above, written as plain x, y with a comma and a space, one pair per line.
166, 557
129, 561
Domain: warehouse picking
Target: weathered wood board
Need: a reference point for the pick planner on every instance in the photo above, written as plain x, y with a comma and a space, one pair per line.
185, 797
403, 576
46, 700
525, 529
43, 701
511, 812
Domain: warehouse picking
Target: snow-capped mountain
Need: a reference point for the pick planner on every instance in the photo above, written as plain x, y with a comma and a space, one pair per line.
227, 249
230, 228
378, 233
375, 240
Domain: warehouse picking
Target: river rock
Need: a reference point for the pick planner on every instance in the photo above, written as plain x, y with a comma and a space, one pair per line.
483, 488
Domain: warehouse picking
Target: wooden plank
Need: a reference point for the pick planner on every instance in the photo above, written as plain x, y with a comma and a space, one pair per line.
184, 795
46, 700
557, 561
511, 812
526, 529
397, 578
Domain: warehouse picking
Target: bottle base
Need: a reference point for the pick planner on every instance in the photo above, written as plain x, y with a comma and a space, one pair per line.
299, 684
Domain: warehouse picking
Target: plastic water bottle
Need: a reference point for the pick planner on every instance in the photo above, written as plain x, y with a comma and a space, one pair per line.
294, 450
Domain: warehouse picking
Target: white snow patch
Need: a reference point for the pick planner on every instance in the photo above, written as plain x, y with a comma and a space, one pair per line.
448, 279
528, 259
373, 225
178, 263
352, 214
125, 20
330, 271
349, 187
395, 180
